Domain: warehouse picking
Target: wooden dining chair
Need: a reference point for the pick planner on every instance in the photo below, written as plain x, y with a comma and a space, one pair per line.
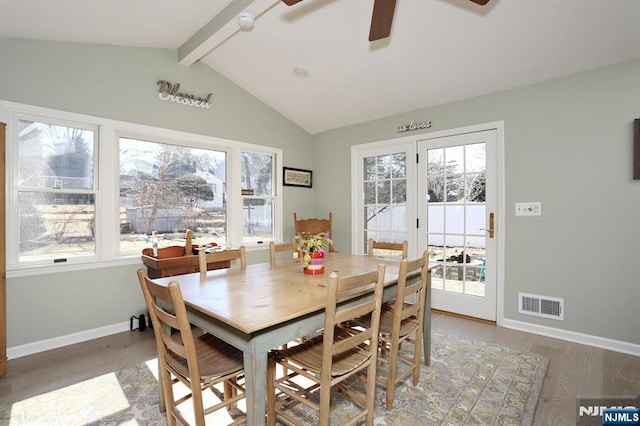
401, 321
275, 248
314, 226
205, 258
328, 359
383, 248
198, 360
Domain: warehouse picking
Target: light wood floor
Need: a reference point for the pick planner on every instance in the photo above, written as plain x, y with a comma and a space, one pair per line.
574, 370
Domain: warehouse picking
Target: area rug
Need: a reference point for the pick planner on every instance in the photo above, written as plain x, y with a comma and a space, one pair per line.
468, 382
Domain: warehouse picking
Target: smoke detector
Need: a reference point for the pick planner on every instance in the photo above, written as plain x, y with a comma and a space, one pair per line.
246, 20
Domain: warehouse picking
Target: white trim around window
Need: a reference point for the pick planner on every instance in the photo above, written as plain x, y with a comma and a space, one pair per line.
107, 228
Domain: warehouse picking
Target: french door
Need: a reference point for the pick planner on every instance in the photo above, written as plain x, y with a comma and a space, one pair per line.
448, 202
458, 203
385, 177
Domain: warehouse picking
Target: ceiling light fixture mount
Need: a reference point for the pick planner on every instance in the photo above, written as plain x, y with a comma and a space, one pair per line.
246, 20
301, 72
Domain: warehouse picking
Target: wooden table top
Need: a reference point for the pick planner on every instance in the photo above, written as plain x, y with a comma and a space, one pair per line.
263, 295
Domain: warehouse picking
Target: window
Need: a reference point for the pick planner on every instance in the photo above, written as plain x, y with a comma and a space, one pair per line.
168, 189
86, 191
55, 188
258, 197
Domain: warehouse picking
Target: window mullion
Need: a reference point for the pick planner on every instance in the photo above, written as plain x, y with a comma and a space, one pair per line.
108, 198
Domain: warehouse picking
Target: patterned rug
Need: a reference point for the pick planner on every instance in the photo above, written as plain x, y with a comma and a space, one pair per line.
468, 382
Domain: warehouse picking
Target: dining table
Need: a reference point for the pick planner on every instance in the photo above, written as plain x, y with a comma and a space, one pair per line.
265, 305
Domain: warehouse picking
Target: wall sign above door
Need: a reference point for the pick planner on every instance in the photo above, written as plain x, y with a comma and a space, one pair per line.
169, 92
414, 126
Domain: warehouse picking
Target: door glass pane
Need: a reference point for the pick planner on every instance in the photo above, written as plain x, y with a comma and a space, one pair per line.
435, 218
384, 167
370, 218
435, 161
369, 168
384, 192
454, 157
384, 220
369, 193
399, 215
475, 158
399, 191
476, 188
435, 189
385, 197
384, 236
456, 217
455, 188
399, 165
475, 220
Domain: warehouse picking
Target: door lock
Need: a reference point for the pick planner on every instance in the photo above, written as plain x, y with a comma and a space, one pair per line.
491, 226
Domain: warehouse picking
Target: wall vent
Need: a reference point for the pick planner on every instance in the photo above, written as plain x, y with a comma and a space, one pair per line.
541, 306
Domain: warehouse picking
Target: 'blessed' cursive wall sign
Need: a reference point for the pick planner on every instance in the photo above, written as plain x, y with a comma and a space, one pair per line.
414, 126
169, 92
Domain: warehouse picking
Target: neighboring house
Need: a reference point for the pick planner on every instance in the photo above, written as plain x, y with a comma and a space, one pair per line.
218, 189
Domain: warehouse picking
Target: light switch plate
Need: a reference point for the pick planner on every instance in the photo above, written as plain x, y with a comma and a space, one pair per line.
529, 209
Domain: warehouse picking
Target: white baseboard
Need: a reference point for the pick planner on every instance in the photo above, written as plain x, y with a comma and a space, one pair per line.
572, 336
69, 339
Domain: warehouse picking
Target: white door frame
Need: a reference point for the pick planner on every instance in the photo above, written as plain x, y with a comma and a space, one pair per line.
356, 200
407, 145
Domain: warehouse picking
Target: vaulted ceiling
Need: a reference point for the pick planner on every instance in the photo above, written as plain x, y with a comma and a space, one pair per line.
439, 51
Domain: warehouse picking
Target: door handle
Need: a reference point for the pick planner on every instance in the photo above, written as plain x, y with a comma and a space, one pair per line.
491, 226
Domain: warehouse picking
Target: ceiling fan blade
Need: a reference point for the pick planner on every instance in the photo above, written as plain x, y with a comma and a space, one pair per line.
480, 2
382, 19
292, 2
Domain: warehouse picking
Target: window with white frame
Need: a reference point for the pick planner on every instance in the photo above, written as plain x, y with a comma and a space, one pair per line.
84, 189
55, 186
166, 189
258, 196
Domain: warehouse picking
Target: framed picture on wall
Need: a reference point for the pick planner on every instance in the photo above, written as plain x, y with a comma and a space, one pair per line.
296, 177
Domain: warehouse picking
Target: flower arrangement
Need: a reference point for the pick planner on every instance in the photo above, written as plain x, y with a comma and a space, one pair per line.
313, 247
312, 243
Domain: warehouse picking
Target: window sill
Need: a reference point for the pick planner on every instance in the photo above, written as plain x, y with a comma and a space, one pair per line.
26, 271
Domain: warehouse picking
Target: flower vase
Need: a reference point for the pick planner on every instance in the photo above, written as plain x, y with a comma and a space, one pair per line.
313, 262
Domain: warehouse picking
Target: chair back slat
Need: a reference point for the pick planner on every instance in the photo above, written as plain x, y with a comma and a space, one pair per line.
204, 258
387, 248
275, 248
197, 362
404, 322
314, 226
168, 312
351, 290
341, 352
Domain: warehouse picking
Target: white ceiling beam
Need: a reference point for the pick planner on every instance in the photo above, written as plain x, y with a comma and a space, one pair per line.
219, 29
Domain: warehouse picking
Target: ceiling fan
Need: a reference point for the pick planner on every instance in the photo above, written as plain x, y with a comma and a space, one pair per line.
382, 16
